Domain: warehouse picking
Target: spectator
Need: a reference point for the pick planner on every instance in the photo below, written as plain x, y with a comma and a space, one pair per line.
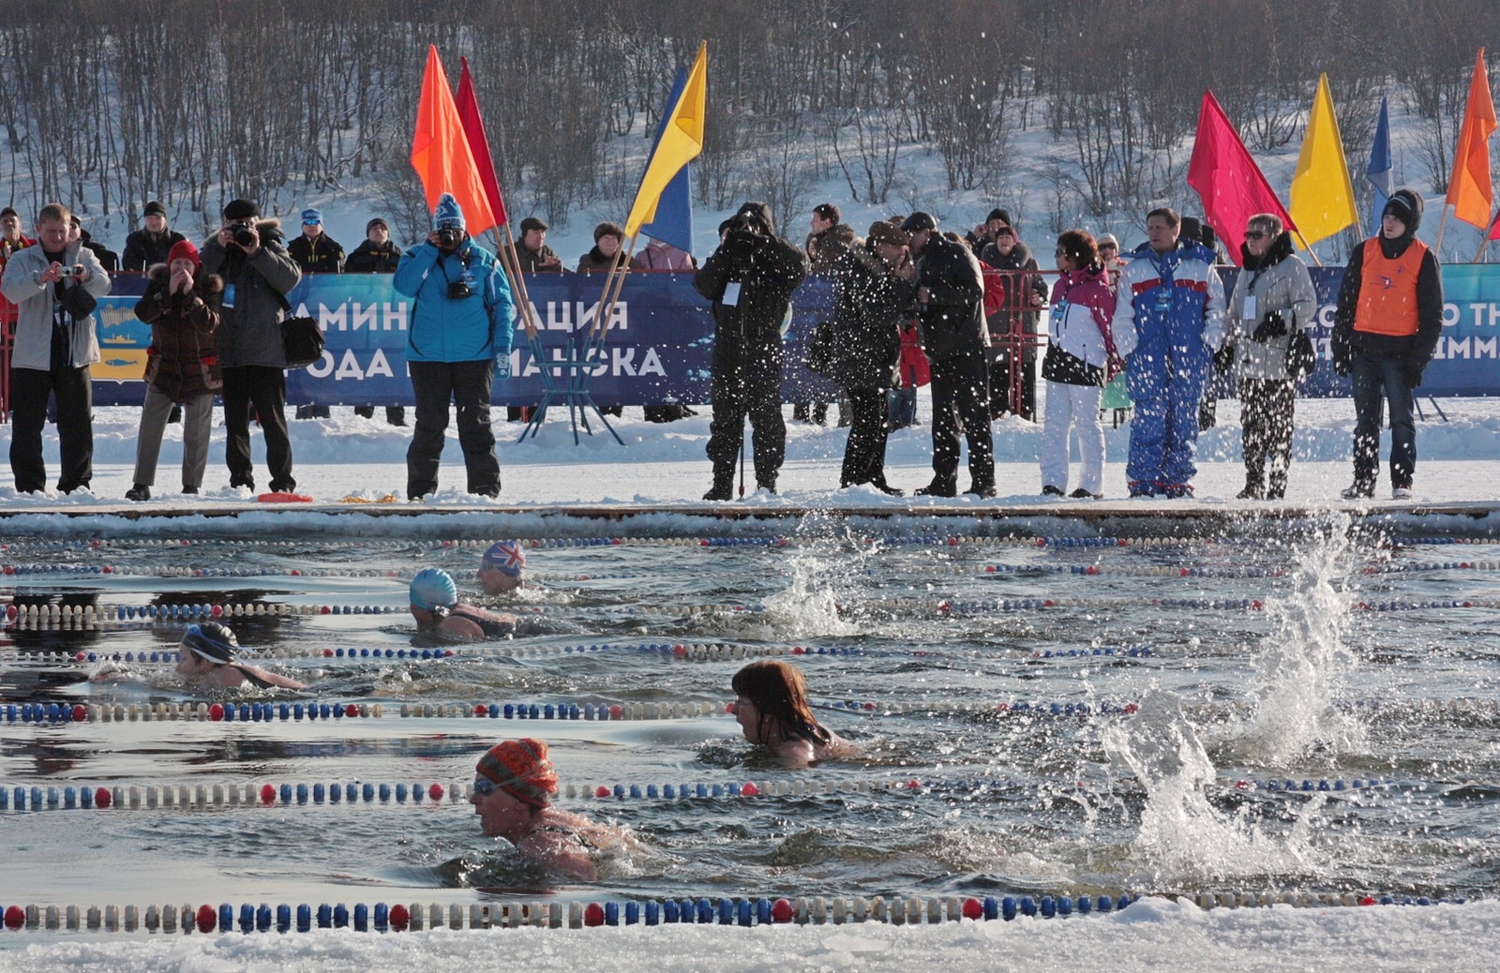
950, 304
54, 286
828, 241
534, 257
872, 291
460, 334
1273, 302
1012, 290
1168, 322
1109, 257
315, 251
248, 254
377, 254
181, 304
1384, 335
108, 259
149, 245
901, 402
606, 249
1080, 358
661, 255
11, 240
532, 252
750, 279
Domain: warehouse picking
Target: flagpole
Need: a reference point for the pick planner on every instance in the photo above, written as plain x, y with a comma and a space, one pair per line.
614, 282
1437, 245
1306, 246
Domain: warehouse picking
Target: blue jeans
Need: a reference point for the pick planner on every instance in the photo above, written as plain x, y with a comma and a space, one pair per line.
1371, 378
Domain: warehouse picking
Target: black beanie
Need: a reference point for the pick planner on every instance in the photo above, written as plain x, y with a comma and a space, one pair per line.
1406, 206
1002, 215
241, 209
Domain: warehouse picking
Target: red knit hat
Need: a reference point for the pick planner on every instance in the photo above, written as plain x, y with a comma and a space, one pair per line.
184, 250
521, 769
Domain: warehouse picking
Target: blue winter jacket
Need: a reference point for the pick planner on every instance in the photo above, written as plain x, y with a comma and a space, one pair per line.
447, 329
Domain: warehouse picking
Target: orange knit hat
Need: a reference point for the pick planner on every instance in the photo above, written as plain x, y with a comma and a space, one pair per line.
521, 769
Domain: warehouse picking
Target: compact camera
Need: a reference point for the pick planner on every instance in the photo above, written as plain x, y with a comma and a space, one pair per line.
449, 237
459, 289
243, 234
78, 272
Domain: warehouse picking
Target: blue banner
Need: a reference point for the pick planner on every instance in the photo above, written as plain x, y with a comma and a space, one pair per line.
659, 346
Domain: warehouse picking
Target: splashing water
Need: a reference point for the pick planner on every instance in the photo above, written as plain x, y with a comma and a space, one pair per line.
1302, 663
809, 606
1182, 837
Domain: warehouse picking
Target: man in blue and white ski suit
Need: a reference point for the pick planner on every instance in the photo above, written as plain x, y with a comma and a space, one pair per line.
1168, 323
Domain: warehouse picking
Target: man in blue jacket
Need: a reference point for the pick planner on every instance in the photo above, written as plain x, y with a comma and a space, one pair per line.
459, 335
1168, 323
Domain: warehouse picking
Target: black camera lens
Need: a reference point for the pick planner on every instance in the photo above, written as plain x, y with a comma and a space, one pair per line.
458, 290
244, 236
448, 237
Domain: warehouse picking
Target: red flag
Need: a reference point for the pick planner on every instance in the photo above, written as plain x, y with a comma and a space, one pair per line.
1470, 190
1494, 228
440, 152
479, 142
1228, 180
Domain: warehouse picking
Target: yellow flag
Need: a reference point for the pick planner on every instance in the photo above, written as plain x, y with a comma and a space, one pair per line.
681, 141
1322, 197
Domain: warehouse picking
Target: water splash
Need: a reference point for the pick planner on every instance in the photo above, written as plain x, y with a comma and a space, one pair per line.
1302, 664
821, 577
1182, 836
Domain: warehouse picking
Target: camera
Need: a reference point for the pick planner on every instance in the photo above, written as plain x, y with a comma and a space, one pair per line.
459, 289
78, 272
449, 237
243, 234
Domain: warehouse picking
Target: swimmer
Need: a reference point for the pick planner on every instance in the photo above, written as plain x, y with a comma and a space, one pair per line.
435, 606
206, 657
514, 785
502, 568
773, 711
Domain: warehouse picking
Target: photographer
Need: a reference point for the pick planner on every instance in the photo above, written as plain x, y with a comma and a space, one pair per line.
248, 255
750, 279
54, 286
460, 334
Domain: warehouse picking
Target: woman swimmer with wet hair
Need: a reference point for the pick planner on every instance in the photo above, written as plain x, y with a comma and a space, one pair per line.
772, 708
207, 657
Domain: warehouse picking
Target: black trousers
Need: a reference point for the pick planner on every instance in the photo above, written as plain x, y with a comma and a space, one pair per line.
29, 389
864, 454
960, 391
746, 382
264, 388
1267, 407
467, 385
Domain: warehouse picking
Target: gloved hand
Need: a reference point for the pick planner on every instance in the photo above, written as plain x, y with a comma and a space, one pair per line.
1411, 374
1274, 326
502, 365
740, 244
1224, 359
1341, 365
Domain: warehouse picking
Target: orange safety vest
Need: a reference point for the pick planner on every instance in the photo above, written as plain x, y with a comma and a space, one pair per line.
1388, 290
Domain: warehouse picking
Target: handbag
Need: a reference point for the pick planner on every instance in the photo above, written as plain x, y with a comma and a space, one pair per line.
1301, 359
302, 341
820, 349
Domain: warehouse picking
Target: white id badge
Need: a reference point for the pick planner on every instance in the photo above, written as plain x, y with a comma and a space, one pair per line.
1248, 313
731, 294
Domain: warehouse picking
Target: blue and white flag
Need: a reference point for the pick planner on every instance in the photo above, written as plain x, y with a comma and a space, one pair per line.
1378, 172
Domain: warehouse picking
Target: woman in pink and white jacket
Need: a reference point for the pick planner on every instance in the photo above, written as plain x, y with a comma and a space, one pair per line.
1080, 359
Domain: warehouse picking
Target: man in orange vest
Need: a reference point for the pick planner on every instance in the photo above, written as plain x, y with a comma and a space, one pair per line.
1389, 319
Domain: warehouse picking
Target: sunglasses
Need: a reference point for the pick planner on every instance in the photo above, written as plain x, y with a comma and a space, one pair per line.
484, 787
1255, 234
1108, 246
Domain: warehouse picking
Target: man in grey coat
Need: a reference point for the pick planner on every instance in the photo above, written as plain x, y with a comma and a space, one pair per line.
55, 286
249, 255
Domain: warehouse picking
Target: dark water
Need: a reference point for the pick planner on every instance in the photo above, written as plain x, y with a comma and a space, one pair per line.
927, 639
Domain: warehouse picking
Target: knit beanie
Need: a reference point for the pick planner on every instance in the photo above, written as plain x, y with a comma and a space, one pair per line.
522, 770
1406, 206
448, 214
241, 209
184, 250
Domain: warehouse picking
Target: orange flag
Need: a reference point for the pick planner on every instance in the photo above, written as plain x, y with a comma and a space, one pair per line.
1470, 192
440, 151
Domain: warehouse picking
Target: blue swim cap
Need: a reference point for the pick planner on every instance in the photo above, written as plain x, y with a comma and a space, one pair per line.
212, 641
433, 588
506, 557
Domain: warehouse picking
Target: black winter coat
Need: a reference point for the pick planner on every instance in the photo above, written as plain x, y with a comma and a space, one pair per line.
953, 317
767, 269
366, 259
870, 305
